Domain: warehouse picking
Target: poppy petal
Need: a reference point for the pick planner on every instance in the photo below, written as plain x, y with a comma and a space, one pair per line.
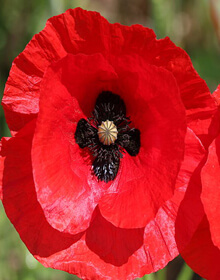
195, 94
191, 210
63, 34
162, 229
72, 32
110, 252
201, 254
210, 196
66, 188
147, 180
126, 213
20, 200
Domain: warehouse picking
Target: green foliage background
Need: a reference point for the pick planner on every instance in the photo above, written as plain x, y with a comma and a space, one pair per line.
192, 24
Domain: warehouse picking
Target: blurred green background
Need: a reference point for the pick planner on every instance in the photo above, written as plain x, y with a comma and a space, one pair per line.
191, 24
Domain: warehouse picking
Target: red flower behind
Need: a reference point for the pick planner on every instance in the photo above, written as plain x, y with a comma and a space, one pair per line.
211, 182
198, 231
68, 219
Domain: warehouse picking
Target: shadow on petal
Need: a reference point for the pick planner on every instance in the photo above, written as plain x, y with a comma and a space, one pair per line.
191, 210
201, 254
113, 245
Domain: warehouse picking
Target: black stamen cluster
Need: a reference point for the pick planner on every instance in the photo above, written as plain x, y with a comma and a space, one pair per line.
106, 159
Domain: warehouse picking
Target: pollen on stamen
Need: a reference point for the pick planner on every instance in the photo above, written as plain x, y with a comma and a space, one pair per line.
107, 132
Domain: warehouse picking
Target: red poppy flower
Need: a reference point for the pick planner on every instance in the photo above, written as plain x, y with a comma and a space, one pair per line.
211, 183
106, 122
199, 236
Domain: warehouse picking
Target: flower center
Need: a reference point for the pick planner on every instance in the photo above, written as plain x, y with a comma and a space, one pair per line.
107, 132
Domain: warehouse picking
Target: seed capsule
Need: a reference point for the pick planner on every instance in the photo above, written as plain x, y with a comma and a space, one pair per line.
107, 132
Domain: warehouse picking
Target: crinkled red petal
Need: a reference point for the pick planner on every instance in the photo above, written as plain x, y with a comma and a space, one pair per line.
75, 31
147, 180
196, 97
20, 200
211, 189
66, 188
79, 31
201, 254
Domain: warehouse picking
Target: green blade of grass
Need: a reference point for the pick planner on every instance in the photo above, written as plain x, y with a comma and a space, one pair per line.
186, 273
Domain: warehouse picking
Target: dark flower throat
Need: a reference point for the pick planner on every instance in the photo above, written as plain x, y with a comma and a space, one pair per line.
106, 158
